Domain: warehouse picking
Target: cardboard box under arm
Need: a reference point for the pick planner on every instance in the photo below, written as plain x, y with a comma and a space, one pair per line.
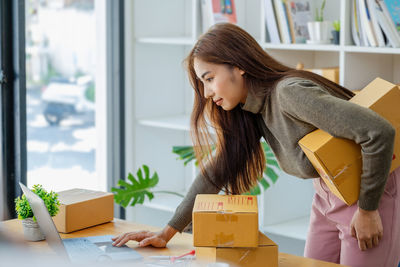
338, 161
225, 221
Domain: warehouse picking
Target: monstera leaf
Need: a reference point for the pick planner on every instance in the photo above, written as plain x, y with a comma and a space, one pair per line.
186, 153
136, 191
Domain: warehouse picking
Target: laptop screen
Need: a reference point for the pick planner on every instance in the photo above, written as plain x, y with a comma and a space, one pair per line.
45, 221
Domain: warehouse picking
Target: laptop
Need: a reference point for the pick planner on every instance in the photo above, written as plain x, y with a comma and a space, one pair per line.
79, 250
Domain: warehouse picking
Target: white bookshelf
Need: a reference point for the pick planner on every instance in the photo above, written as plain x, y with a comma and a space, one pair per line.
161, 35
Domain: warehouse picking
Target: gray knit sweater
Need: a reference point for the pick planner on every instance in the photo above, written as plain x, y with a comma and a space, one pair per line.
297, 107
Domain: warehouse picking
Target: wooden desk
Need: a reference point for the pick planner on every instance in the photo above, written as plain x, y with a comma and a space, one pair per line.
179, 244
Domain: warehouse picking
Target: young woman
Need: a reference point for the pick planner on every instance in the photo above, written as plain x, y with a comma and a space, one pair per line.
244, 94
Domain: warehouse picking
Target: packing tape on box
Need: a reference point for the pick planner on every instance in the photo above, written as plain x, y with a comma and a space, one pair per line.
223, 240
226, 217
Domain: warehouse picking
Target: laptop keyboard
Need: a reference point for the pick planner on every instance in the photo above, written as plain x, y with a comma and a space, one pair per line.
81, 249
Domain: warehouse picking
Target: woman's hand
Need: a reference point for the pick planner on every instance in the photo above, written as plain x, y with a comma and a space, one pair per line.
145, 238
367, 227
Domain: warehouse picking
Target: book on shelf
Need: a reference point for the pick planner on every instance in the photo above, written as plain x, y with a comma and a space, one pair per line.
375, 25
393, 8
363, 34
372, 24
283, 26
270, 22
365, 21
299, 13
355, 28
387, 23
217, 11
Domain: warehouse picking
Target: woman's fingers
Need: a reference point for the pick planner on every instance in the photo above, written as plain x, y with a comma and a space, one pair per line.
362, 245
375, 241
124, 238
155, 241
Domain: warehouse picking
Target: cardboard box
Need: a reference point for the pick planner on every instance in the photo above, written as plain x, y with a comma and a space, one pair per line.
81, 208
225, 221
339, 161
266, 254
329, 73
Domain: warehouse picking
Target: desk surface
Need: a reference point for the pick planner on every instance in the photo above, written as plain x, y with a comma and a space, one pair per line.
179, 244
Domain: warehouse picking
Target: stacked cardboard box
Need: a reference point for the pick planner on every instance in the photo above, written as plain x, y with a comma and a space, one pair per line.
225, 229
338, 161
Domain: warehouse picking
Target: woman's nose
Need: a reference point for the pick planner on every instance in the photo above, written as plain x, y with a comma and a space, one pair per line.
208, 92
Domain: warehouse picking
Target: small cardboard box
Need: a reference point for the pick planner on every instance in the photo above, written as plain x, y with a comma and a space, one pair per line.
329, 73
266, 254
81, 208
338, 161
225, 221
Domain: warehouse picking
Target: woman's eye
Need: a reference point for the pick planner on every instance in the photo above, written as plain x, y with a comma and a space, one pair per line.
209, 79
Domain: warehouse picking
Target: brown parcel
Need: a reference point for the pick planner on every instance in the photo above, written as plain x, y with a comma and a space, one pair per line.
338, 161
329, 73
81, 208
225, 221
266, 254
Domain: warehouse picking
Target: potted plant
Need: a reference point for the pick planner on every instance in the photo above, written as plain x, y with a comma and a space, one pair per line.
133, 191
24, 211
319, 28
336, 32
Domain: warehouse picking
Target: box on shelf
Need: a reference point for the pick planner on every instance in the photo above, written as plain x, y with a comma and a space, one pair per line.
339, 161
329, 73
225, 221
81, 208
266, 254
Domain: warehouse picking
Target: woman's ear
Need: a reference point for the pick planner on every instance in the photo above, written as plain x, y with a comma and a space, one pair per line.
242, 72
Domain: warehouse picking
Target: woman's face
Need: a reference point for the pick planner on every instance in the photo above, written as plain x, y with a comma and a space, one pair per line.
222, 83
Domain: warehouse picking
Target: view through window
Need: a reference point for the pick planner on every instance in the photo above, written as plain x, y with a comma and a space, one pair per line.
60, 85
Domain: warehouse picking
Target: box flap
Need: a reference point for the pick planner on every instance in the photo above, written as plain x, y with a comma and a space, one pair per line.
225, 203
77, 195
314, 140
372, 92
264, 240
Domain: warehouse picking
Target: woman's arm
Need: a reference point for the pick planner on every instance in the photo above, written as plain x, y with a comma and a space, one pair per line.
183, 213
308, 102
181, 218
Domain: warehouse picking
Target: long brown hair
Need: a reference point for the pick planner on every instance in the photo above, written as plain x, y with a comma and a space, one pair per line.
239, 158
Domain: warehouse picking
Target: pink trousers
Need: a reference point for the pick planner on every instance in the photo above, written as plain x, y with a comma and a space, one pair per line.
329, 236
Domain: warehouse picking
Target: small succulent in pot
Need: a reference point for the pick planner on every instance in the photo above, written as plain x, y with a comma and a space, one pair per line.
24, 211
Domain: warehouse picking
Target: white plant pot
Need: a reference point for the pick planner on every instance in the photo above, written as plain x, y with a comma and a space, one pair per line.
32, 230
319, 32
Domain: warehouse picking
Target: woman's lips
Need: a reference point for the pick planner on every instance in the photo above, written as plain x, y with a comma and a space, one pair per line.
218, 102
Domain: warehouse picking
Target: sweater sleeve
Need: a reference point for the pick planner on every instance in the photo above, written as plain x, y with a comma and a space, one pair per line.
308, 102
183, 213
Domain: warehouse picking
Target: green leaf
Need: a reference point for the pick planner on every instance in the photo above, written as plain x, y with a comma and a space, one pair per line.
264, 183
271, 174
255, 190
272, 162
137, 191
185, 153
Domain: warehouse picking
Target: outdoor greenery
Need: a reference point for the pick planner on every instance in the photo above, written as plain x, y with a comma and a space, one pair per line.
50, 199
90, 92
319, 14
